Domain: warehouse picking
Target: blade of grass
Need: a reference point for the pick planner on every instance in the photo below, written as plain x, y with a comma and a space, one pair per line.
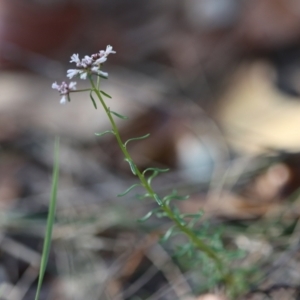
50, 219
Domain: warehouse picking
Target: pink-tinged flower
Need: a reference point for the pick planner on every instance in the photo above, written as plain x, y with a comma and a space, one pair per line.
89, 64
86, 62
64, 89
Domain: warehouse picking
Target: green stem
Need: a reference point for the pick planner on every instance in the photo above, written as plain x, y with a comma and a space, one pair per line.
187, 231
78, 91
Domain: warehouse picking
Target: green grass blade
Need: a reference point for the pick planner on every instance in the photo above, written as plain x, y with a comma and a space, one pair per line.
50, 219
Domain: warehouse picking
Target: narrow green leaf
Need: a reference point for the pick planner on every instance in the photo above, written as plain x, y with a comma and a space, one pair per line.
155, 169
104, 132
192, 223
129, 189
137, 138
194, 220
177, 215
168, 234
105, 94
180, 198
132, 166
174, 196
182, 250
50, 219
190, 251
141, 197
156, 172
161, 214
93, 100
118, 115
197, 215
146, 217
149, 180
158, 200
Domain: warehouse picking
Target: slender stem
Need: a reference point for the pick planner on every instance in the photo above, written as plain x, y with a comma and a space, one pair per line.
98, 82
192, 236
77, 91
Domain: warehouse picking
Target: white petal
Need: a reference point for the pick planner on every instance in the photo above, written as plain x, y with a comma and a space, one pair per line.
105, 74
55, 86
109, 50
87, 59
100, 60
72, 85
63, 100
75, 58
83, 75
72, 72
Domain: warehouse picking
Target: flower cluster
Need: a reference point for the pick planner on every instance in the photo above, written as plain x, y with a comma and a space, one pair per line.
90, 64
87, 65
64, 89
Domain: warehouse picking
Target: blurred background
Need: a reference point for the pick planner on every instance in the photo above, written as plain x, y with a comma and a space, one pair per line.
217, 85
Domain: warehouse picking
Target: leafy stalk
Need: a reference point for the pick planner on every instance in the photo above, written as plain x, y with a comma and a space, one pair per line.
164, 206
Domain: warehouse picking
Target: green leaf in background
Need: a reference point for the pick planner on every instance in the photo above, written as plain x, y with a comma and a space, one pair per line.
50, 219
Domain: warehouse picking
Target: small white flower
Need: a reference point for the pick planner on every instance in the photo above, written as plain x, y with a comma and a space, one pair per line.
55, 86
86, 65
75, 58
64, 90
95, 69
83, 75
72, 85
109, 50
86, 61
64, 99
73, 72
